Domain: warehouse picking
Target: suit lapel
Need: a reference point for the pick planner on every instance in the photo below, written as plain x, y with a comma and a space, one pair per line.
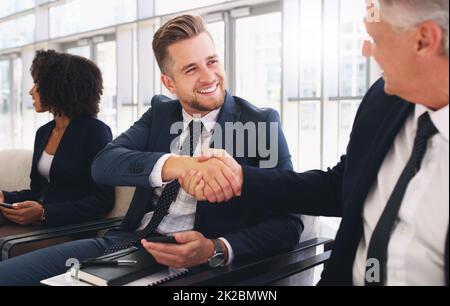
389, 127
165, 135
230, 113
351, 229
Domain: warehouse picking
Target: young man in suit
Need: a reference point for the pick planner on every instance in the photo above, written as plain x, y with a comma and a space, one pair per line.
152, 157
391, 187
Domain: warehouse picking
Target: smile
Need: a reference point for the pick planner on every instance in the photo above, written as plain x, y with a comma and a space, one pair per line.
208, 90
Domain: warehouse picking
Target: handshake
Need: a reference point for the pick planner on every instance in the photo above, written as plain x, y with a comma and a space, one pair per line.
215, 177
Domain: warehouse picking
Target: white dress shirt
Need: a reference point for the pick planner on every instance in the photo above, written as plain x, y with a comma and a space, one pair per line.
416, 252
182, 211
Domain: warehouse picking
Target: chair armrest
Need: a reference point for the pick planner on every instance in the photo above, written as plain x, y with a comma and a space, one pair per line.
262, 272
287, 271
9, 242
294, 268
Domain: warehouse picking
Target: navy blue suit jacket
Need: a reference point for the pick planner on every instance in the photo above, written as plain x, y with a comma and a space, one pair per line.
129, 161
342, 191
71, 196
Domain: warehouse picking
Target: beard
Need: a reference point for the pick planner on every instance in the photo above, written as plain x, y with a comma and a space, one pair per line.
211, 105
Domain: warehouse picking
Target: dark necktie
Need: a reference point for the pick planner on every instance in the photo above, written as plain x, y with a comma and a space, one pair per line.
168, 195
379, 242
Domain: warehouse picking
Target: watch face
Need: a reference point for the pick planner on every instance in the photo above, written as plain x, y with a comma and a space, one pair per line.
217, 260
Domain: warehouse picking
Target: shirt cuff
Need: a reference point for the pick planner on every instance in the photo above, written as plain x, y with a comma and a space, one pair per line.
155, 177
230, 251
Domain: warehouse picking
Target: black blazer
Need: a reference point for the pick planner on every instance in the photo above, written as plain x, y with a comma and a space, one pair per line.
342, 191
129, 160
71, 196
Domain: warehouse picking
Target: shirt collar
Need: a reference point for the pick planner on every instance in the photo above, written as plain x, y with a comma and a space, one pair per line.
209, 121
439, 118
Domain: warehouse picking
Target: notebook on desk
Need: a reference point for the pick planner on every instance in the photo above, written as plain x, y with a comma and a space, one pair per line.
100, 275
67, 280
143, 272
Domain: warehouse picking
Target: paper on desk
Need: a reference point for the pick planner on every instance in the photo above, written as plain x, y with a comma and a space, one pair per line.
67, 279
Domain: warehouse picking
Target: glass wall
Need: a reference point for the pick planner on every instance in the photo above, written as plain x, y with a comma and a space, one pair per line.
310, 85
5, 105
310, 49
163, 7
17, 103
353, 66
104, 54
84, 51
306, 65
107, 61
9, 7
217, 30
83, 15
258, 59
17, 32
353, 70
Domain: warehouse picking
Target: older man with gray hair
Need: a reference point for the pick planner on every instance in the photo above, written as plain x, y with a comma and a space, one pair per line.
392, 186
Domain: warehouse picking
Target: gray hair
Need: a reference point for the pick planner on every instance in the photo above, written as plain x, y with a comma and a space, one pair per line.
405, 14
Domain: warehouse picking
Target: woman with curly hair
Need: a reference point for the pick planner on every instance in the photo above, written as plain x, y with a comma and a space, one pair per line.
62, 191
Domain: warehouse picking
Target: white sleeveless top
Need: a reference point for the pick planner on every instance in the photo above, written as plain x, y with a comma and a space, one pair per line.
44, 165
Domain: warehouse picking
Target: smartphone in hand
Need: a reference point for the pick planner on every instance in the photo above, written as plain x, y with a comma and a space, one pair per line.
161, 239
5, 205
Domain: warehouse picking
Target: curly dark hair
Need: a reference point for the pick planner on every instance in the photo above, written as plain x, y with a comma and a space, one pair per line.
68, 85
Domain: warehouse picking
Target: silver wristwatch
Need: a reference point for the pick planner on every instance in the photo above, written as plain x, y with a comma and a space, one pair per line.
218, 258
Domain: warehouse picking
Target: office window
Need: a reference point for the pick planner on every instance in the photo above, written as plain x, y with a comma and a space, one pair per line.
258, 59
310, 87
347, 113
17, 32
310, 48
104, 54
17, 102
309, 135
107, 62
163, 7
84, 51
325, 77
84, 15
217, 31
353, 66
9, 7
5, 105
